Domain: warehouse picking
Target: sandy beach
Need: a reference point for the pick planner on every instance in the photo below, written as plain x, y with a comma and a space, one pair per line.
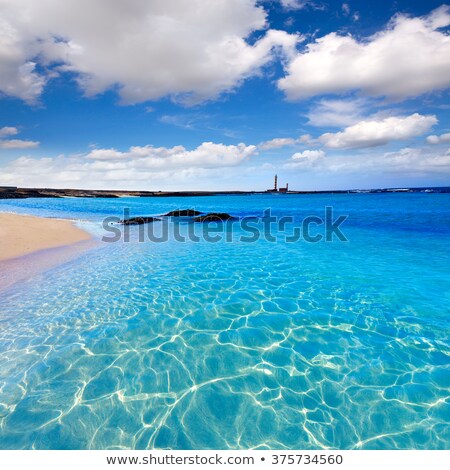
22, 235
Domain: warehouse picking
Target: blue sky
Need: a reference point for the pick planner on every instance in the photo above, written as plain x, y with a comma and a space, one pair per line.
224, 94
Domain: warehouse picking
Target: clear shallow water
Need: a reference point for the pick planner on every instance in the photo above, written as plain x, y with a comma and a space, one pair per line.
236, 345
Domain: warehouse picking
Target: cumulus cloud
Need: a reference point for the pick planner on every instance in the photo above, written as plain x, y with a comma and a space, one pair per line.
191, 51
372, 133
306, 159
8, 131
439, 139
410, 57
134, 168
18, 76
207, 155
311, 154
14, 143
361, 133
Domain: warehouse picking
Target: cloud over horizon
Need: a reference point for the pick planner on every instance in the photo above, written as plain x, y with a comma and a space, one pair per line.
376, 132
136, 166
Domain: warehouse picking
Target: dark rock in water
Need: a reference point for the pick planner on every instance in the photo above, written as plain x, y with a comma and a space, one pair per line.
139, 220
214, 217
183, 213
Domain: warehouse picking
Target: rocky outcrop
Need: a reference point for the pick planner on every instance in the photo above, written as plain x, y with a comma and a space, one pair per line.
183, 213
139, 220
214, 217
24, 193
21, 194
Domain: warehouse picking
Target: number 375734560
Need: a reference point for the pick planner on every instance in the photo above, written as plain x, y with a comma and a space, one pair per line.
307, 459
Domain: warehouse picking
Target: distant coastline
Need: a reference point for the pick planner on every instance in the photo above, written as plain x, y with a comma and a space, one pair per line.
11, 192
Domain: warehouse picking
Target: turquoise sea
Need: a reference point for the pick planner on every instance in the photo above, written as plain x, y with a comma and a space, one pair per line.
235, 345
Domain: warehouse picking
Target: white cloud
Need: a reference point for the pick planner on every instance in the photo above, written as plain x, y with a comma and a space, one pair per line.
14, 143
410, 57
8, 131
360, 133
145, 167
18, 76
277, 143
438, 139
308, 154
207, 155
418, 161
305, 139
191, 51
306, 159
372, 133
281, 142
18, 144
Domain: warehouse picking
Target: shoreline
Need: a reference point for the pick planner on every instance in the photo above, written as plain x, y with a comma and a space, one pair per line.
22, 235
13, 192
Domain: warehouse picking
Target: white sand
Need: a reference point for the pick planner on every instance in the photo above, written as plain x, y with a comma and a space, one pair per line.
21, 235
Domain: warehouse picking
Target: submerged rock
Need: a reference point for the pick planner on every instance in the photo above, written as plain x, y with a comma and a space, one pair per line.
139, 220
183, 213
214, 217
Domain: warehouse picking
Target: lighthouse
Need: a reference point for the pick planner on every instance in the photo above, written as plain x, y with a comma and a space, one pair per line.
275, 187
